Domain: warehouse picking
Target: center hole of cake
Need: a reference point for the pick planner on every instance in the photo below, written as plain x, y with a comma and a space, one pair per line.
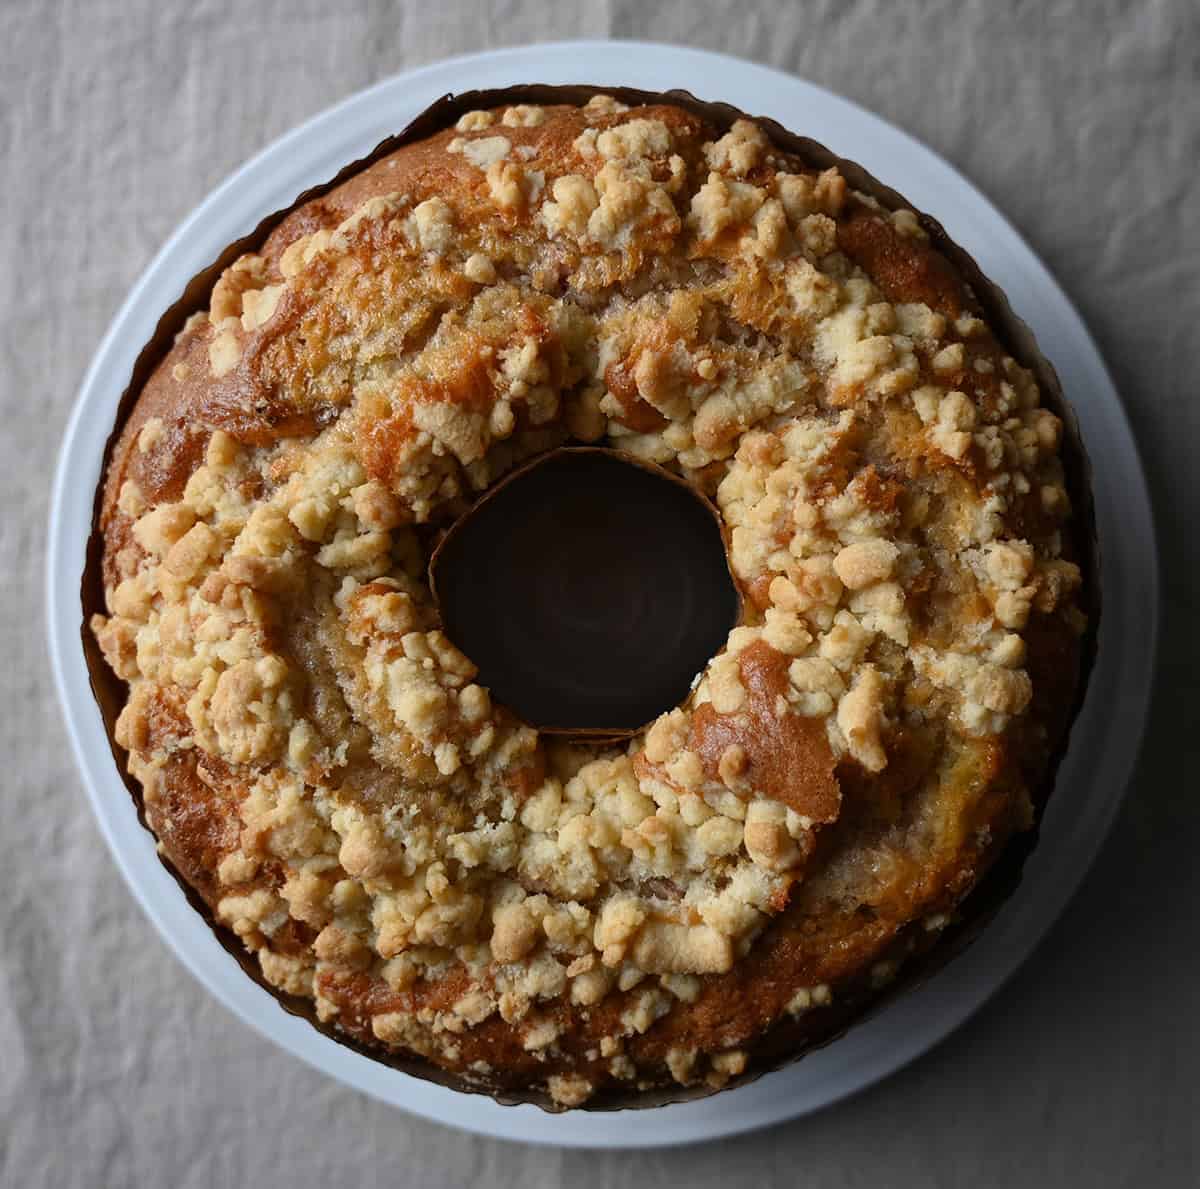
588, 590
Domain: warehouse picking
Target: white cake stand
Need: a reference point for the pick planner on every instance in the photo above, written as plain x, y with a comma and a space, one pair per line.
1106, 737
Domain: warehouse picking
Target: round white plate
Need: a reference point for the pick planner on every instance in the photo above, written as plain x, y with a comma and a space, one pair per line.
1092, 779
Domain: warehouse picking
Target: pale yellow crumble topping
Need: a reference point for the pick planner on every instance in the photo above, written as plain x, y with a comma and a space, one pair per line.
767, 367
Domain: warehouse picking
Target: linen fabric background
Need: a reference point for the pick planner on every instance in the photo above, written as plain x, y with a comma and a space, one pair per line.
1080, 120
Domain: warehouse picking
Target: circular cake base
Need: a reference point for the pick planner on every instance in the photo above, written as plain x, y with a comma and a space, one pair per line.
1105, 738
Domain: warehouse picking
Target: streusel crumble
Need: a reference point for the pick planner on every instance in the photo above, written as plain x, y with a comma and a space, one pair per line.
317, 758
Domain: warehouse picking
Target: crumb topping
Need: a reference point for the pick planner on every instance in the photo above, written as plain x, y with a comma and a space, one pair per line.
893, 498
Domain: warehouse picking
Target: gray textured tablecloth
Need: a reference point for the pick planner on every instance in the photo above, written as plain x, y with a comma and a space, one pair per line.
1080, 120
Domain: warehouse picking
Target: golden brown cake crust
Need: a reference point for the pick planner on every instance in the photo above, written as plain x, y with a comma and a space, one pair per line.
747, 875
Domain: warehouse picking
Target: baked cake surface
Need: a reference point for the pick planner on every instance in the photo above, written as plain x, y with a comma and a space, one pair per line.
315, 756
